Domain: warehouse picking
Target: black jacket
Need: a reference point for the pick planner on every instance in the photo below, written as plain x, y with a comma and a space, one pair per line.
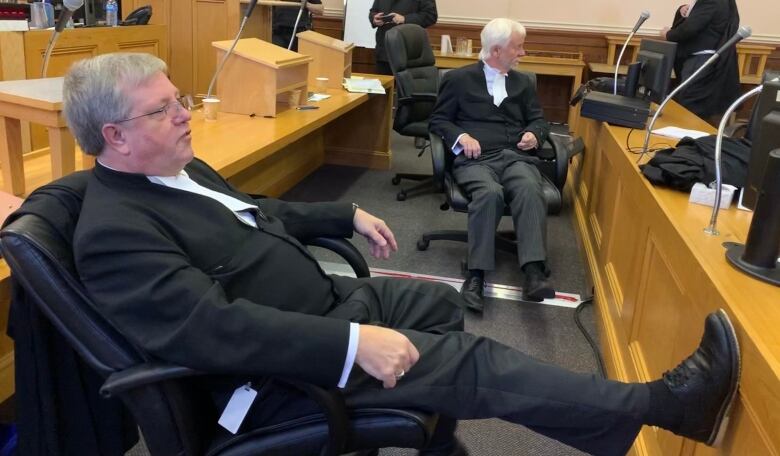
166, 265
465, 106
420, 12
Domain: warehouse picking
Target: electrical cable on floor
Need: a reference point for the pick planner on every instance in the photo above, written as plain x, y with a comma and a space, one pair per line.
594, 347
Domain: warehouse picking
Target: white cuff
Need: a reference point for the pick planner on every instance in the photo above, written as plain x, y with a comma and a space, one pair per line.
457, 148
354, 338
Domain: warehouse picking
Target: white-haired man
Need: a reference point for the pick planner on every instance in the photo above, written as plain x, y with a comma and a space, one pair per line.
491, 118
196, 273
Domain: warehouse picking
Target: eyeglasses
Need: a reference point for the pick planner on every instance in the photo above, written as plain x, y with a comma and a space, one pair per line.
181, 103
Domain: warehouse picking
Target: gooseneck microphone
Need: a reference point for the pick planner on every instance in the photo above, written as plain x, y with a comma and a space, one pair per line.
741, 34
642, 18
68, 8
248, 13
297, 20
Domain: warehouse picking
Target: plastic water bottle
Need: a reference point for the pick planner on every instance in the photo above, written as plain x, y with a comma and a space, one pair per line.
112, 10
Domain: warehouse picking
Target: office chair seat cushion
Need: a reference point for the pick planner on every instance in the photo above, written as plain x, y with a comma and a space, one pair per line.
459, 201
416, 129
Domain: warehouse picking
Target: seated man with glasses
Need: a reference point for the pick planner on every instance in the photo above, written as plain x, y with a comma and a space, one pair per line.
196, 273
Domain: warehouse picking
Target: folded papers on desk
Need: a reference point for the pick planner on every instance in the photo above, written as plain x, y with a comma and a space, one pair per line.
679, 133
360, 85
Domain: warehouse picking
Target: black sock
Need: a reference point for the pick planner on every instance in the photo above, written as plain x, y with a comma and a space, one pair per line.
534, 268
664, 410
477, 273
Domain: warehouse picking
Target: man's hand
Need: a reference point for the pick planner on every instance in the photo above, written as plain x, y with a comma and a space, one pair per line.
398, 18
528, 141
663, 32
380, 239
377, 19
385, 353
471, 146
684, 9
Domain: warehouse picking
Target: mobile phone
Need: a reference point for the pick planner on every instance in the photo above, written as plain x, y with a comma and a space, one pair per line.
307, 107
387, 17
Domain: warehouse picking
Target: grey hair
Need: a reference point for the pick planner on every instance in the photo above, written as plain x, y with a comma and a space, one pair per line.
96, 92
498, 32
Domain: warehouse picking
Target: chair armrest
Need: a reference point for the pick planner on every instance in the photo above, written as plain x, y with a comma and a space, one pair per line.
144, 374
346, 250
438, 158
737, 129
330, 401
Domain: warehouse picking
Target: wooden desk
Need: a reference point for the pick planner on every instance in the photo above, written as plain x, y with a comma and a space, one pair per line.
566, 64
38, 101
657, 274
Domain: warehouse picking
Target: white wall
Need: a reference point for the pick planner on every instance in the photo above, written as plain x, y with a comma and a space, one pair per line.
610, 16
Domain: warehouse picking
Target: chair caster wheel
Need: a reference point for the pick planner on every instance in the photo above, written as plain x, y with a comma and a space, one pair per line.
444, 206
401, 196
396, 180
422, 244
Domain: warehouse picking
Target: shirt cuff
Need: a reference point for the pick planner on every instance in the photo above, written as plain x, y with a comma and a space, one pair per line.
457, 148
354, 338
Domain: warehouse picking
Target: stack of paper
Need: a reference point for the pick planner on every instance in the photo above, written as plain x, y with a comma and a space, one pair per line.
679, 133
360, 85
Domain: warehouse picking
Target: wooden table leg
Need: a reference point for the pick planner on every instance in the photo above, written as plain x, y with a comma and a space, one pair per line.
11, 159
63, 152
573, 109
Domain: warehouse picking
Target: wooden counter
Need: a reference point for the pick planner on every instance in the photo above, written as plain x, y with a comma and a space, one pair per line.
657, 274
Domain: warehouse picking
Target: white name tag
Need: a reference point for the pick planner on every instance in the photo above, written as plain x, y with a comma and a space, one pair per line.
237, 408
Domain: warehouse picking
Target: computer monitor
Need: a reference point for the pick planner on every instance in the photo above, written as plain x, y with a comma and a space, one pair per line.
765, 133
657, 58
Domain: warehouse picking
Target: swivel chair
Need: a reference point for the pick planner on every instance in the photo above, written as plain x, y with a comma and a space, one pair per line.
175, 418
417, 82
552, 160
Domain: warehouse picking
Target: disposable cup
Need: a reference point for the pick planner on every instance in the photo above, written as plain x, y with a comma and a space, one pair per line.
210, 108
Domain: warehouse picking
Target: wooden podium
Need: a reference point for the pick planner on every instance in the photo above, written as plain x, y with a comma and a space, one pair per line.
259, 78
332, 57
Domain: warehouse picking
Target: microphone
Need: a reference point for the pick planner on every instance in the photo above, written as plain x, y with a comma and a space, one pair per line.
249, 9
742, 33
68, 7
642, 18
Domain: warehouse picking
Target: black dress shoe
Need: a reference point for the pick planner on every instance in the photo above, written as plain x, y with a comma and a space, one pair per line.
472, 291
537, 288
706, 382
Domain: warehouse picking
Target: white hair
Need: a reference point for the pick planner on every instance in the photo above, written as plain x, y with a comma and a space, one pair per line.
498, 32
96, 92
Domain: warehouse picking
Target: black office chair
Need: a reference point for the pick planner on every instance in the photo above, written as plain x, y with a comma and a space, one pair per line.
174, 418
552, 161
417, 84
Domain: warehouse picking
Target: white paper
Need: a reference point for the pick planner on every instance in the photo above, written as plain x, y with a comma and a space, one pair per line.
318, 97
363, 85
679, 133
237, 408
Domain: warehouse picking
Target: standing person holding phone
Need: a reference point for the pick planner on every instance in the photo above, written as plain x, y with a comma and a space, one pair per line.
386, 14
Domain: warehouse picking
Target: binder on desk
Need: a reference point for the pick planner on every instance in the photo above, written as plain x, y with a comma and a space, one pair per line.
363, 85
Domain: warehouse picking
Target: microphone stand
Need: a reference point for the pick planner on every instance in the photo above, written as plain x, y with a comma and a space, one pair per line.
225, 57
47, 54
620, 57
668, 98
297, 21
711, 228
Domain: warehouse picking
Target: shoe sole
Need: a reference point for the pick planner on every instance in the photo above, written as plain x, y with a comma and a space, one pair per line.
724, 414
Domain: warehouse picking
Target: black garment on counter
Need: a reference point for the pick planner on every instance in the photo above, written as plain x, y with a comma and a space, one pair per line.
693, 160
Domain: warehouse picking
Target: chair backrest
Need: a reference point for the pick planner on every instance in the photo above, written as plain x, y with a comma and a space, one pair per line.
39, 251
416, 77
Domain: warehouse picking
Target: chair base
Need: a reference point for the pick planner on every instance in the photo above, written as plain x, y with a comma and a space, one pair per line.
426, 185
506, 241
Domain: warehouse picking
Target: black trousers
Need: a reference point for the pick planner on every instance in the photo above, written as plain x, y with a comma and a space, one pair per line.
464, 376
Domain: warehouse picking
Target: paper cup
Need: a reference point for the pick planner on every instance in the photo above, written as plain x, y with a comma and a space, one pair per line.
294, 98
210, 108
321, 85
